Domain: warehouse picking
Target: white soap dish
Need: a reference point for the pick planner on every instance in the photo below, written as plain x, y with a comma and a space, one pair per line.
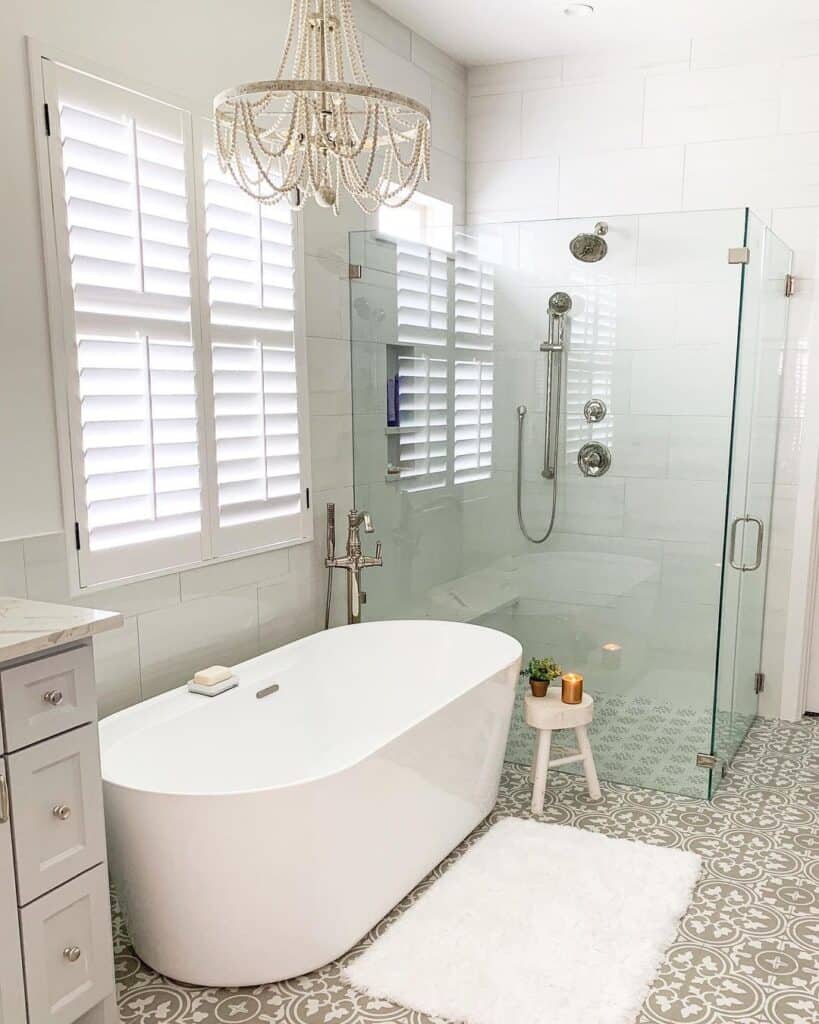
215, 689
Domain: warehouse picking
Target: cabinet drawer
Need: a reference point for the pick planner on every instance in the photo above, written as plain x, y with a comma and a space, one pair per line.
68, 950
48, 696
56, 807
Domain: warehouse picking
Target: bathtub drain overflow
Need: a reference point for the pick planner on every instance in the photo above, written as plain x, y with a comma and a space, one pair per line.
267, 691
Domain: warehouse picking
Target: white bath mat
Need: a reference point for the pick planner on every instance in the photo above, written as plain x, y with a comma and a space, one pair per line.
535, 924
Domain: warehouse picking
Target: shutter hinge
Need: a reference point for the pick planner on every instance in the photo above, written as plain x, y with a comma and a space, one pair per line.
742, 254
47, 117
355, 271
77, 535
307, 495
707, 761
790, 285
759, 682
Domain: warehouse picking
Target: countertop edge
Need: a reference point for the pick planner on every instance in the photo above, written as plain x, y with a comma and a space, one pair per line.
20, 643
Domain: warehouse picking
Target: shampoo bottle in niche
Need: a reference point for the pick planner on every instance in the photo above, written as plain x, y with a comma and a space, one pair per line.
392, 401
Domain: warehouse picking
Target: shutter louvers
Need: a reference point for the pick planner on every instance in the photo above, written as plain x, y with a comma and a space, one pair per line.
423, 392
474, 301
474, 296
126, 219
473, 421
423, 295
423, 369
251, 289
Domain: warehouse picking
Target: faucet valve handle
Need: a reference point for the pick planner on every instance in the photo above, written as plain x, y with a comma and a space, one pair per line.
378, 552
368, 522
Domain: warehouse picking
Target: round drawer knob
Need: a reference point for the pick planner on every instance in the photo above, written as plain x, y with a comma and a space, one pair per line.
72, 954
53, 697
61, 811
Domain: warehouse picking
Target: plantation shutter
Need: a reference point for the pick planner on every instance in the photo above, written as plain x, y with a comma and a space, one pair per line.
122, 209
473, 420
258, 416
423, 369
474, 300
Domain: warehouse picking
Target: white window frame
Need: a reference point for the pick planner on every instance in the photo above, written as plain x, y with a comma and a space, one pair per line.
63, 346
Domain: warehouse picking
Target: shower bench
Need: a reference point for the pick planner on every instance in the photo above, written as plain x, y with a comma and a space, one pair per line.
546, 715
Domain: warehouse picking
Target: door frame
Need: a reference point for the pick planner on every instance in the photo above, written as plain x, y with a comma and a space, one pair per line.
804, 579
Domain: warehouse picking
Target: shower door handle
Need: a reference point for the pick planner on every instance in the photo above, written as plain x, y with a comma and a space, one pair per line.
760, 539
741, 567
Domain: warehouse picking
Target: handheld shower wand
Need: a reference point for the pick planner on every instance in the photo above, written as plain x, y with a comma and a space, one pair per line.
331, 554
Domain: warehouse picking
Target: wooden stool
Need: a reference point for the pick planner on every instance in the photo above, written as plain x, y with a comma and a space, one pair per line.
546, 714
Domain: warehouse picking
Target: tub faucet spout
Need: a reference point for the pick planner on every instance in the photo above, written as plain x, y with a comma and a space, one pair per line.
353, 561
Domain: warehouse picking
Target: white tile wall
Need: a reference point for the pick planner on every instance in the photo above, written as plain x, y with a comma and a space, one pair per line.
700, 106
588, 116
220, 629
724, 121
625, 181
514, 189
231, 611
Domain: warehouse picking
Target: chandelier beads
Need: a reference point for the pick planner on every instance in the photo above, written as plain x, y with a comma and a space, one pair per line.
320, 128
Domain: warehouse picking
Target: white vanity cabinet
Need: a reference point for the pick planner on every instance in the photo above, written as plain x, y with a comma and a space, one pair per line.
56, 952
12, 993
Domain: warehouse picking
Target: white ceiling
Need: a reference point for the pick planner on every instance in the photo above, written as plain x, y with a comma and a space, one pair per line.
493, 31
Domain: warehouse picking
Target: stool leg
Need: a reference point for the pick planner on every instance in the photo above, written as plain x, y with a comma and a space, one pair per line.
588, 762
544, 743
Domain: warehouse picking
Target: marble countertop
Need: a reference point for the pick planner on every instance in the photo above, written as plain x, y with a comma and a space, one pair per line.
27, 627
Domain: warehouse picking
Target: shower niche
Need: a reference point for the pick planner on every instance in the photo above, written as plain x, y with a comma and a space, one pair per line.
640, 560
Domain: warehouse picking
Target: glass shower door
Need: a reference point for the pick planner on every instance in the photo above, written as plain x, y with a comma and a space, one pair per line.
762, 332
627, 589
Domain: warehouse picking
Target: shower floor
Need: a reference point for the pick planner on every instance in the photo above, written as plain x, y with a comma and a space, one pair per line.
640, 741
746, 948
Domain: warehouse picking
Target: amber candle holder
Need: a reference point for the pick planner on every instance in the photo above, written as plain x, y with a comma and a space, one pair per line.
572, 688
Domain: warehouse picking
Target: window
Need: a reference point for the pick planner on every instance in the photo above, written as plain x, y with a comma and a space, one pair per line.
174, 310
422, 219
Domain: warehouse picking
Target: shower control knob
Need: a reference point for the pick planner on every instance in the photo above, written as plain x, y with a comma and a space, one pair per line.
594, 459
595, 410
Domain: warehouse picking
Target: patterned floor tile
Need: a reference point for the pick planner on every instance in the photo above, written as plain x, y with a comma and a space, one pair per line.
746, 952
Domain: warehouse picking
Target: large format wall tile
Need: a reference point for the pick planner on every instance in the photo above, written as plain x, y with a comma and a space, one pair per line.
583, 117
626, 181
701, 106
116, 668
12, 569
222, 629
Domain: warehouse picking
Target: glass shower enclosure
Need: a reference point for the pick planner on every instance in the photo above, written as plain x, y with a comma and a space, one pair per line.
567, 430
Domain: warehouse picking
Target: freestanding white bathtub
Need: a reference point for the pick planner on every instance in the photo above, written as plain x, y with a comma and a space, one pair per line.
255, 839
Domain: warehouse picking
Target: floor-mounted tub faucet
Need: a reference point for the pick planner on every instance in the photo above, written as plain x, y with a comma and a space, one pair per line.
353, 561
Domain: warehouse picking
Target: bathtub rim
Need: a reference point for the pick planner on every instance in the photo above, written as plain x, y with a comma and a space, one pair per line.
412, 723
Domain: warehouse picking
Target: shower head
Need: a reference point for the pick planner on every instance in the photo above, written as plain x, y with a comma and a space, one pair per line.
559, 304
590, 248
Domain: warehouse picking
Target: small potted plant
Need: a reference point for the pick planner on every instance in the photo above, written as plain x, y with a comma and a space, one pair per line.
541, 672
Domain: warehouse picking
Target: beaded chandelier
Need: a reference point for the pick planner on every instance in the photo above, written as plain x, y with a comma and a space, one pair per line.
320, 126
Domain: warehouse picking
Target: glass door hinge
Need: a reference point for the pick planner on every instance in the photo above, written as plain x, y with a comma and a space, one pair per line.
759, 682
790, 285
707, 761
355, 272
742, 254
